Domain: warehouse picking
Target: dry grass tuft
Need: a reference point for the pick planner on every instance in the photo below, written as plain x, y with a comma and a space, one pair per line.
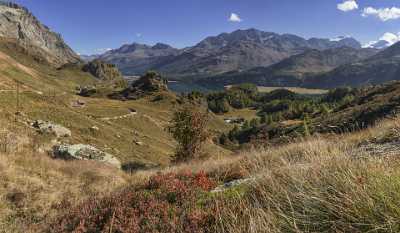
317, 186
31, 186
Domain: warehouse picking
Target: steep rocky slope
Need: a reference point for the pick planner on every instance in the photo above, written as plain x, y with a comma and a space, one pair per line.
18, 23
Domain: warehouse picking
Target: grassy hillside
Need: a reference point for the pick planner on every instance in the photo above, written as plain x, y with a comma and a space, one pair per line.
298, 90
46, 93
339, 183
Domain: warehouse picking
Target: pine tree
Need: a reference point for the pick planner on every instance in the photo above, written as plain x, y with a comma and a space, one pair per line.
189, 128
264, 119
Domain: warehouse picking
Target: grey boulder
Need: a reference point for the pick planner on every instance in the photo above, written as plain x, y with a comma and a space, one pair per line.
51, 128
84, 152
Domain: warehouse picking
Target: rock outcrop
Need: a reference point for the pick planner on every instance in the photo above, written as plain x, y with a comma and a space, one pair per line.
103, 71
19, 24
84, 152
46, 127
86, 91
233, 184
149, 83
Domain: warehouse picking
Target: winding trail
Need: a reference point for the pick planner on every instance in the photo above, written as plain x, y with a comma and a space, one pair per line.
131, 114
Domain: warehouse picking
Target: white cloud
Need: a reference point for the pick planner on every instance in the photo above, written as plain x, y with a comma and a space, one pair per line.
235, 18
388, 37
138, 34
348, 5
391, 38
339, 38
383, 14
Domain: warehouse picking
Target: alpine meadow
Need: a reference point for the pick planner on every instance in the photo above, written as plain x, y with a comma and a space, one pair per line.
188, 116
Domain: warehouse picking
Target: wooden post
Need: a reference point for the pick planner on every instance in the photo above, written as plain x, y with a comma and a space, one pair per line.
17, 104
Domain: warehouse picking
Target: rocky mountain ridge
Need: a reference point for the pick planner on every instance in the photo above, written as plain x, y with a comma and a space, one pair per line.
241, 49
138, 58
17, 23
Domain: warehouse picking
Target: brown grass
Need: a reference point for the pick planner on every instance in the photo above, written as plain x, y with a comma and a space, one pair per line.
318, 184
297, 90
32, 184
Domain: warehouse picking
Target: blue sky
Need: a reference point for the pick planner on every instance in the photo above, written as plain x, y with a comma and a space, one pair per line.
90, 26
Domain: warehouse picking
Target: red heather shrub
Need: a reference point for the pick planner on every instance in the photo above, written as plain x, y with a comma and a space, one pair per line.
167, 203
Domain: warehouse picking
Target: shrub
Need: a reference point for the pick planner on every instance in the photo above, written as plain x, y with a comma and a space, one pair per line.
338, 94
218, 105
167, 203
189, 128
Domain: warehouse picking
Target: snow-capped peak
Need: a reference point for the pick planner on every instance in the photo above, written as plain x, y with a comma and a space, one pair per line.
377, 44
339, 38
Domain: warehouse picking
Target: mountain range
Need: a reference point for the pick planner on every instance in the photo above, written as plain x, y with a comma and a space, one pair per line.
239, 50
263, 58
321, 69
294, 70
136, 59
377, 69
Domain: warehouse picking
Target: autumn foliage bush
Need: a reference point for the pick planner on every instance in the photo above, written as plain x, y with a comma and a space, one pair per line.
167, 203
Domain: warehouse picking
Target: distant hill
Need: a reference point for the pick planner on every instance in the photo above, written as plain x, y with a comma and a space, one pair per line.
18, 24
88, 58
380, 68
136, 59
293, 70
239, 50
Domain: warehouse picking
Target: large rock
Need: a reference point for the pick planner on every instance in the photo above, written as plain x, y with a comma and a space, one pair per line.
86, 91
84, 152
233, 184
47, 127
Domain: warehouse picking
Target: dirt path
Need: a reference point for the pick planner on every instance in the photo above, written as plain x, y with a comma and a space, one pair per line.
22, 91
131, 114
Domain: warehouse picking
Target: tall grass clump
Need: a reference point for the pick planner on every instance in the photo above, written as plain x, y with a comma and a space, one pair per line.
316, 186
